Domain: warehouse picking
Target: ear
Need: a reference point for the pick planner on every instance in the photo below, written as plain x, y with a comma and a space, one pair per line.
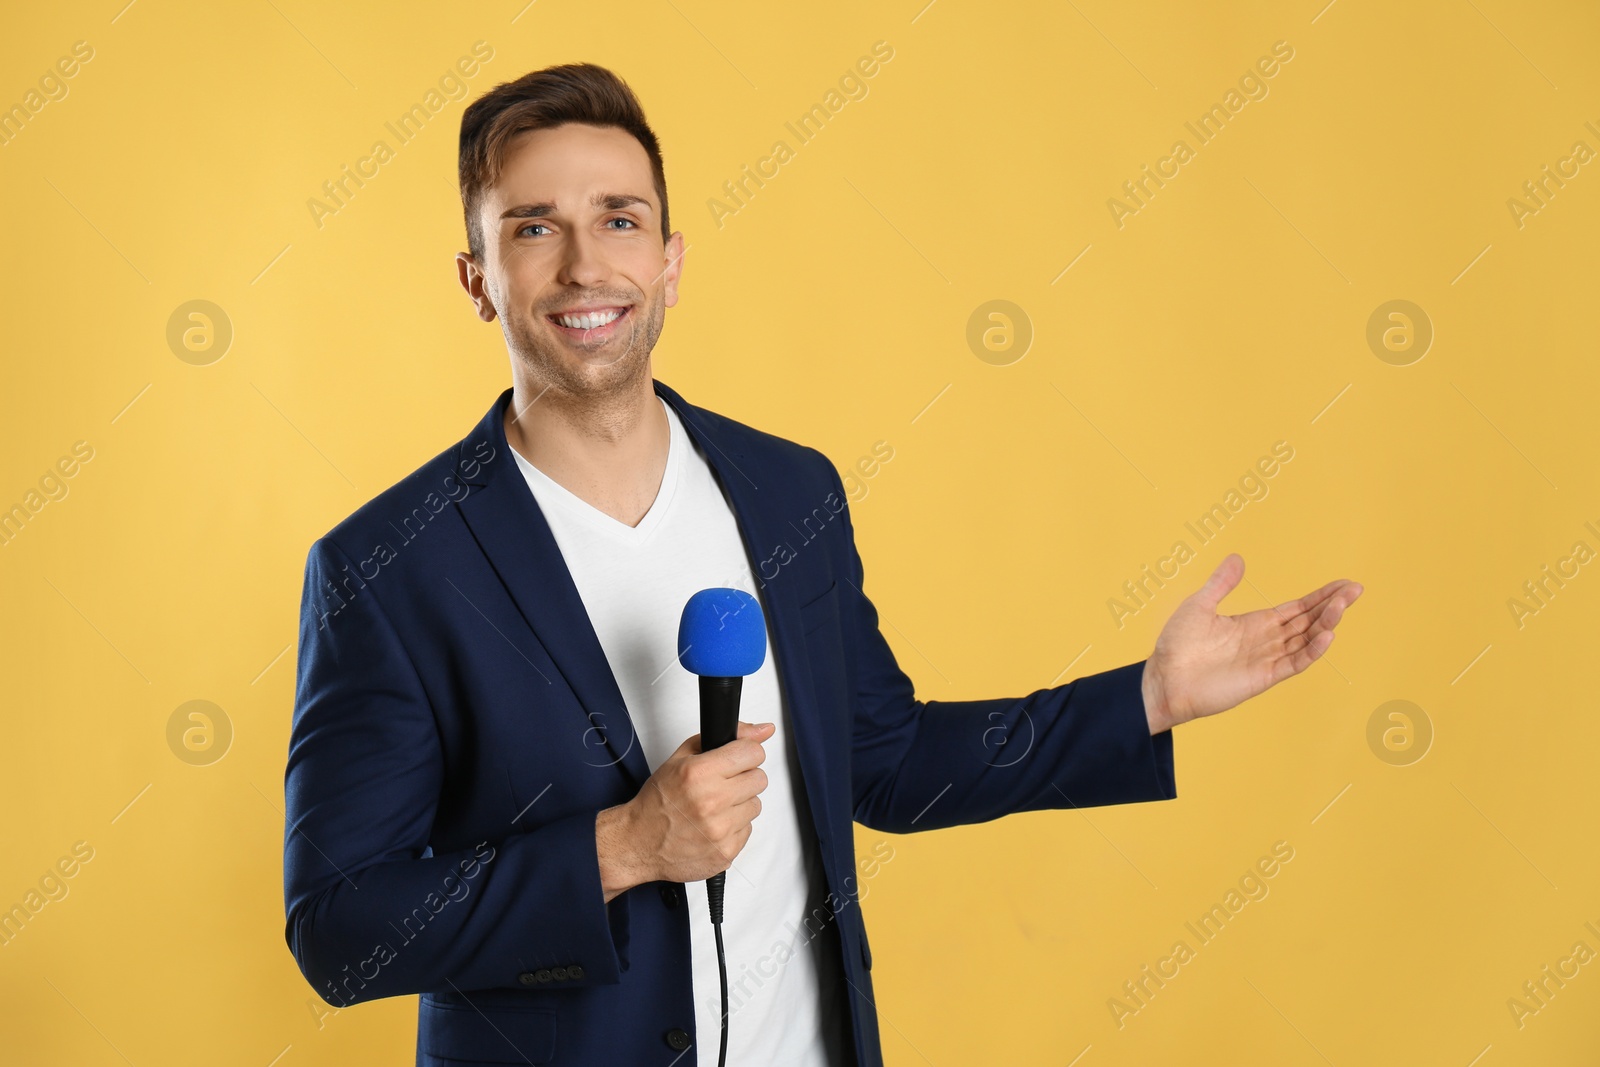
674, 266
472, 280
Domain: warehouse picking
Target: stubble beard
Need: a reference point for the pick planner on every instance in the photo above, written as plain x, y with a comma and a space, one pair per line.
587, 377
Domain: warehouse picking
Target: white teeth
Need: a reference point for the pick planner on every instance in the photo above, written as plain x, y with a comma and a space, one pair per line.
589, 320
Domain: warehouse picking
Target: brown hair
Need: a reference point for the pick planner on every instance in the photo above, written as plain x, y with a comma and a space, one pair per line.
573, 92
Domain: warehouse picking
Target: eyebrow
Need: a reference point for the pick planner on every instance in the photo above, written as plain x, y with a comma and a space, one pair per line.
607, 201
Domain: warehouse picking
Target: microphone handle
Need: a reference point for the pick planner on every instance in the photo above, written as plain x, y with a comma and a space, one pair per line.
719, 724
719, 711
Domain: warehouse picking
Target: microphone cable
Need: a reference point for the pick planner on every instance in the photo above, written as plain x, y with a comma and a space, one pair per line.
714, 886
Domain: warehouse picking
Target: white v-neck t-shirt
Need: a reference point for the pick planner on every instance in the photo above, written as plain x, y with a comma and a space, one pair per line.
634, 582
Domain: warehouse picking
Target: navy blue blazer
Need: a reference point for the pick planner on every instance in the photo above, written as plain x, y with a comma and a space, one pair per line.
457, 728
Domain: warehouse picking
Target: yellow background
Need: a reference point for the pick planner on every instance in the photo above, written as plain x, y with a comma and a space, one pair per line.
1228, 314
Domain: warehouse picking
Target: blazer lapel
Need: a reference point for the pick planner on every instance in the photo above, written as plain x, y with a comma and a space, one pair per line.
506, 521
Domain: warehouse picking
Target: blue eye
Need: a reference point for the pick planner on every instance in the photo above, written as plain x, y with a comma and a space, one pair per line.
530, 226
619, 219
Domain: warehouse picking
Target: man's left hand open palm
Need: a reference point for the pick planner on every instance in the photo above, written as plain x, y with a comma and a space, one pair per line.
1205, 663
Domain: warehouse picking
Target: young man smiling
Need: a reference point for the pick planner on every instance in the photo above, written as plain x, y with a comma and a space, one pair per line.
512, 679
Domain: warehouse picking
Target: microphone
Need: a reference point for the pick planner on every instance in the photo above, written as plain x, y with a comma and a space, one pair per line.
722, 637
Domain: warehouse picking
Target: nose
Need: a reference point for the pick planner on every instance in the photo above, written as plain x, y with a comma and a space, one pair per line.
582, 262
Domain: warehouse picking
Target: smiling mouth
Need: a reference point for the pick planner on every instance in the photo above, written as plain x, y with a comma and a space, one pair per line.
594, 325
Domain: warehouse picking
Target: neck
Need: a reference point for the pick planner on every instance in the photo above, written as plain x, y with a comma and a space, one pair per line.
609, 449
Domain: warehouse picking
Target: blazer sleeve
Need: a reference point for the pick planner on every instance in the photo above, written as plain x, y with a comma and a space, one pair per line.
371, 910
922, 765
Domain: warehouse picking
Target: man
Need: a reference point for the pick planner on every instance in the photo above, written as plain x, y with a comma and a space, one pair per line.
496, 795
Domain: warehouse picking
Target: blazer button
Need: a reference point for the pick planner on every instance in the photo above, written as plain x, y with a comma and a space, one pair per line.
575, 972
527, 978
678, 1039
669, 895
542, 974
560, 974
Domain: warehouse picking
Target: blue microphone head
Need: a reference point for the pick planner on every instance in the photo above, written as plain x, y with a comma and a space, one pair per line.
722, 634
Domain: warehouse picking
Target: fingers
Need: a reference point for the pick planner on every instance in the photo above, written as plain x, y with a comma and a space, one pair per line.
1330, 616
1312, 633
738, 756
755, 733
1327, 615
746, 785
735, 757
1295, 608
1313, 650
731, 847
1311, 613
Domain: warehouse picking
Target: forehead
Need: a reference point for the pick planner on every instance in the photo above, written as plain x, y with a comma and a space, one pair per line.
565, 164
